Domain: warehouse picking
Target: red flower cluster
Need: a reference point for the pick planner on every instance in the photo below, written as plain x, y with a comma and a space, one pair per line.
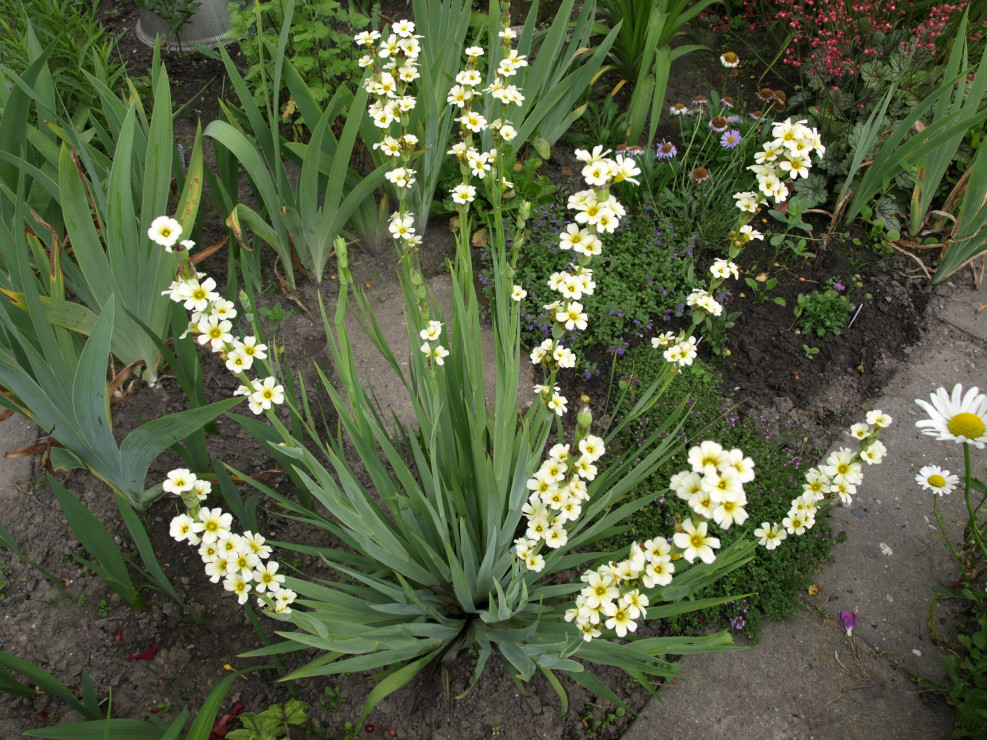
928, 31
837, 33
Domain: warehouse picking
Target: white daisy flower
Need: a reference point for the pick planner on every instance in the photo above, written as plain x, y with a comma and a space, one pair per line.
956, 417
935, 479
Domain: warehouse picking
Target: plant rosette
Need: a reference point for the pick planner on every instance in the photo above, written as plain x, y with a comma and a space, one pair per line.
457, 531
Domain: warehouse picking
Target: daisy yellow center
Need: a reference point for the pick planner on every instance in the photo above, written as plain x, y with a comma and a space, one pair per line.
966, 425
697, 540
937, 481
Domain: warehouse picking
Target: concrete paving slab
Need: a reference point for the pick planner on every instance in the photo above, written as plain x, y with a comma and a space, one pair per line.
388, 305
963, 308
803, 679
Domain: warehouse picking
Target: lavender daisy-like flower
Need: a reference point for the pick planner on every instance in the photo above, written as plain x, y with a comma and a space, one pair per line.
730, 138
666, 150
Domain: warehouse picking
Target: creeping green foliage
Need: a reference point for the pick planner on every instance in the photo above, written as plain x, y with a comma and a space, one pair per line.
641, 280
966, 677
781, 460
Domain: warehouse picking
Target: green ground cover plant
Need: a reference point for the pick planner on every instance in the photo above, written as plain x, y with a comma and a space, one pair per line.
630, 304
782, 458
823, 312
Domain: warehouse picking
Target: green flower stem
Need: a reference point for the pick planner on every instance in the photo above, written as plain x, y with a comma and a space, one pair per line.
974, 527
942, 528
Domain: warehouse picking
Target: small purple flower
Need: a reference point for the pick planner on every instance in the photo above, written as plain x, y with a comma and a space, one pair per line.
666, 150
730, 138
849, 619
839, 287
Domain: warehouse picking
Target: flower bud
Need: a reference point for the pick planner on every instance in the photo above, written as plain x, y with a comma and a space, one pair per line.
585, 417
524, 212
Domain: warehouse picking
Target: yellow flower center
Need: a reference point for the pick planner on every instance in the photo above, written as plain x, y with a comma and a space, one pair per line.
966, 425
937, 481
696, 540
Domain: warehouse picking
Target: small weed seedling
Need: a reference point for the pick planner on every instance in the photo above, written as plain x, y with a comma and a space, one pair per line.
761, 285
274, 723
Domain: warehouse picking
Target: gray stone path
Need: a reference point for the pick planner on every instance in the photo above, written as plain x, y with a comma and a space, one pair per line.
802, 680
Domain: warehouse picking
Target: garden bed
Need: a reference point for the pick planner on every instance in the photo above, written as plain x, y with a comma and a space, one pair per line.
161, 659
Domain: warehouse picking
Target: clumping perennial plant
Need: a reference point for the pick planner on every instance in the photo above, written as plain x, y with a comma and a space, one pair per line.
460, 528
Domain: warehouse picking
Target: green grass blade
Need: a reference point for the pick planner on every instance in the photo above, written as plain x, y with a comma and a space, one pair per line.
47, 683
99, 543
145, 443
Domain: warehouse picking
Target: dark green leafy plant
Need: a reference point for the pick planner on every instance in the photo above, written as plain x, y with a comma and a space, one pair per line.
822, 312
320, 44
966, 679
646, 266
274, 723
782, 458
